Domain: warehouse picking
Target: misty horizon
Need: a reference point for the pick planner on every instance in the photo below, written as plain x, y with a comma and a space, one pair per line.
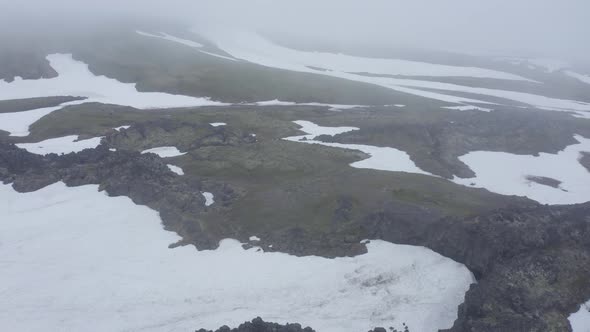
527, 28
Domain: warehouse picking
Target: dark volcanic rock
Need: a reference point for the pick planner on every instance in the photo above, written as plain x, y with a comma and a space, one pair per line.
258, 325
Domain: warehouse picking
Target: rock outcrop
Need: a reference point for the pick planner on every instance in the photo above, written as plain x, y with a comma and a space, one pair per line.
532, 263
258, 325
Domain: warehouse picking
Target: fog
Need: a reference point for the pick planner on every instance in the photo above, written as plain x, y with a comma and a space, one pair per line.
546, 28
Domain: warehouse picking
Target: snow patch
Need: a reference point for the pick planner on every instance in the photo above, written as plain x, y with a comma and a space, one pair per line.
18, 123
171, 38
381, 158
186, 42
580, 77
467, 108
122, 128
165, 151
254, 238
75, 79
55, 237
61, 145
209, 198
277, 102
580, 321
253, 48
176, 169
507, 174
218, 124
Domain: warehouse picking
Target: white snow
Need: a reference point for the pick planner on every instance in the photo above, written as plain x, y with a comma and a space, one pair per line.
580, 321
165, 151
74, 259
182, 41
61, 145
399, 105
218, 124
113, 150
176, 169
381, 158
209, 198
253, 48
499, 172
18, 123
468, 108
254, 238
75, 79
277, 102
506, 174
546, 64
171, 38
122, 128
218, 55
580, 77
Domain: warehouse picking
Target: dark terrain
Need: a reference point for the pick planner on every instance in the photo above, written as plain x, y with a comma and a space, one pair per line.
531, 261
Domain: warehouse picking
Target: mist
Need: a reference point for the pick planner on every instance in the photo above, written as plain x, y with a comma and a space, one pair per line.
541, 28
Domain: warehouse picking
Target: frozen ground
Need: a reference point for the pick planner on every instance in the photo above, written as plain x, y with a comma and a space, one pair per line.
580, 321
61, 145
506, 174
253, 48
381, 158
165, 151
59, 273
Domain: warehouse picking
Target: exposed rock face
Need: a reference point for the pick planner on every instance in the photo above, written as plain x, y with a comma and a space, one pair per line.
185, 136
532, 264
258, 325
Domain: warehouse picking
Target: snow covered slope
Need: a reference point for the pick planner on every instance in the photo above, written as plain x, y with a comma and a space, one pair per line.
74, 259
253, 48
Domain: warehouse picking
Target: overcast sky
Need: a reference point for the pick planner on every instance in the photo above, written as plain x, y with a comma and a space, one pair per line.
556, 28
